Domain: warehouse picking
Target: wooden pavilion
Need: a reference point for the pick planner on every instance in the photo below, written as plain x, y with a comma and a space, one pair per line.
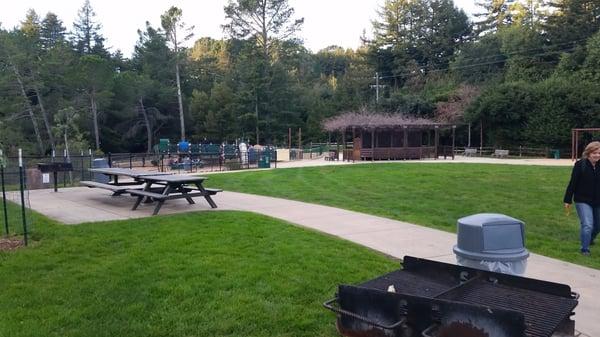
390, 137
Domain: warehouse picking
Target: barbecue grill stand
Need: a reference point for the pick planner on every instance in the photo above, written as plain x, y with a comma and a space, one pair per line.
435, 299
55, 168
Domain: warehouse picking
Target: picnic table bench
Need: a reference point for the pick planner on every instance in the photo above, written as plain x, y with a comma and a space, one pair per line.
116, 186
117, 189
500, 153
470, 152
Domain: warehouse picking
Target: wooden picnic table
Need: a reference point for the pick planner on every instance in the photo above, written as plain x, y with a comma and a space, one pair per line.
175, 186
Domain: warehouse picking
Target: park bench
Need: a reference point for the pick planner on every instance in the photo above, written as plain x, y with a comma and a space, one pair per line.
332, 155
500, 153
470, 152
117, 189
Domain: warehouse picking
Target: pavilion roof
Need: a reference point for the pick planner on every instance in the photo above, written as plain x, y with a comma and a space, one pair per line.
371, 121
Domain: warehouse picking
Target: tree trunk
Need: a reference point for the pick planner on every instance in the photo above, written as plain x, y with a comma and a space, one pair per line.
180, 101
147, 123
256, 112
46, 120
29, 110
95, 118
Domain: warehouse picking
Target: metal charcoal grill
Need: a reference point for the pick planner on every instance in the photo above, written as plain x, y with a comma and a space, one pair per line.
436, 299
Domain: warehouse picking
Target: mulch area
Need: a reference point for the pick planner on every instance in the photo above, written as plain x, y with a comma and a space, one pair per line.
7, 244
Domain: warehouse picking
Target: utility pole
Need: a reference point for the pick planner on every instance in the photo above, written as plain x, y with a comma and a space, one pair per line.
377, 86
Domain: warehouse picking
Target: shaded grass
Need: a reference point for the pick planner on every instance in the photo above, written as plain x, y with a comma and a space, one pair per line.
434, 195
195, 274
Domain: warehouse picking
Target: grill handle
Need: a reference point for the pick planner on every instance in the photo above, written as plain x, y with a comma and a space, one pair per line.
575, 295
329, 306
426, 332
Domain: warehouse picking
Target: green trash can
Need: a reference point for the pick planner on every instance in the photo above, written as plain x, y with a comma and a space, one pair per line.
163, 145
264, 161
555, 153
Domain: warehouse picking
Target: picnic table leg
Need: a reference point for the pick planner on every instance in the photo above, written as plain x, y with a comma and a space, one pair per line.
137, 202
141, 197
158, 206
160, 202
206, 196
184, 192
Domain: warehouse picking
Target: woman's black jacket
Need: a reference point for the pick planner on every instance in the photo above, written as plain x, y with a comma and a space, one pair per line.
585, 183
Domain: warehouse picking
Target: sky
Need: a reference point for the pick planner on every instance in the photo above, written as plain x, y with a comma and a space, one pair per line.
326, 22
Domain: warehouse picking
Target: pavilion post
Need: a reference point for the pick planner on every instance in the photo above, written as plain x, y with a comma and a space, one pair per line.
437, 139
373, 145
453, 139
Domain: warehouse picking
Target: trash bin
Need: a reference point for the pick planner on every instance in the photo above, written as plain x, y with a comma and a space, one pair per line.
493, 242
264, 161
555, 153
183, 147
99, 177
163, 145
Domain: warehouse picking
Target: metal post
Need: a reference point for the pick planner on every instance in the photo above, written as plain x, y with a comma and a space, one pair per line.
130, 161
82, 171
300, 142
469, 139
91, 162
109, 160
22, 188
453, 139
3, 193
64, 172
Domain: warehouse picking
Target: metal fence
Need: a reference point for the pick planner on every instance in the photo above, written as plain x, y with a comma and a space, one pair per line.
170, 162
516, 151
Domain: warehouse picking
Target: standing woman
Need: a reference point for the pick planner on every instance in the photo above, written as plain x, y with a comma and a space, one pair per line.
584, 189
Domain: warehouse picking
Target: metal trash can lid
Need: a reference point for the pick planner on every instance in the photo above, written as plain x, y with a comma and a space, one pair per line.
491, 237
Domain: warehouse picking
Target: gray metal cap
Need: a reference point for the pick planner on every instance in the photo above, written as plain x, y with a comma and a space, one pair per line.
491, 237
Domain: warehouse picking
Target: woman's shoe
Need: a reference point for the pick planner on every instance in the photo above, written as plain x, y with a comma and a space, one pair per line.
585, 253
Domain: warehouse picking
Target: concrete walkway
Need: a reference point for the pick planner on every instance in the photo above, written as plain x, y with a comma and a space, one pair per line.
394, 238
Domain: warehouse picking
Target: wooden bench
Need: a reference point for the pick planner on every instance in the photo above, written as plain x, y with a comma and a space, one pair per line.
500, 153
117, 189
470, 152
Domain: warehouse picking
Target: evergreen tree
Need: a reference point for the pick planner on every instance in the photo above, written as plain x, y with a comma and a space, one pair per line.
52, 31
571, 22
496, 14
86, 31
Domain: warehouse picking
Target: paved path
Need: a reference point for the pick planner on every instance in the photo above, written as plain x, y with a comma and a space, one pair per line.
394, 238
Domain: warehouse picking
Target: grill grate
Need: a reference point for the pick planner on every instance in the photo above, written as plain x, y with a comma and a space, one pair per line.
543, 312
409, 283
545, 307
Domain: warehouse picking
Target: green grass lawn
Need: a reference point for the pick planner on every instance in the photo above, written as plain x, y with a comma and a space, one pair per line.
195, 274
434, 195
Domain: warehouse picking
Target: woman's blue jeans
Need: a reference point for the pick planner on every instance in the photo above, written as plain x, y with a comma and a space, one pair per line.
589, 217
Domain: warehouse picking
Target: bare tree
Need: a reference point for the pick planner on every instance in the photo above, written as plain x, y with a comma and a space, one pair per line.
172, 24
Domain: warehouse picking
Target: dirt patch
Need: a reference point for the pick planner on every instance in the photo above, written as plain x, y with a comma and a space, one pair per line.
7, 244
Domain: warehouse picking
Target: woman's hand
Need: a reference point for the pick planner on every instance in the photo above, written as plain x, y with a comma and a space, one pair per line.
567, 209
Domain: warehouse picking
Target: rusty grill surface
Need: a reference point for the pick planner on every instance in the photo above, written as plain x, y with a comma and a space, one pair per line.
543, 312
545, 306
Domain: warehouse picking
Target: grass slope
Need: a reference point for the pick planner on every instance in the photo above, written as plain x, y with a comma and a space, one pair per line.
434, 195
196, 274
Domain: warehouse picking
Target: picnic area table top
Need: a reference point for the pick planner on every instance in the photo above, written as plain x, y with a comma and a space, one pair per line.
174, 178
117, 171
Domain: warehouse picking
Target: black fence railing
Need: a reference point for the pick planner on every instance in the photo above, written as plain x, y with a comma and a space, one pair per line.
182, 163
514, 151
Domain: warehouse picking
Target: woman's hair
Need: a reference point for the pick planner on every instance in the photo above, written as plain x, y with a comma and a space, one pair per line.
591, 147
